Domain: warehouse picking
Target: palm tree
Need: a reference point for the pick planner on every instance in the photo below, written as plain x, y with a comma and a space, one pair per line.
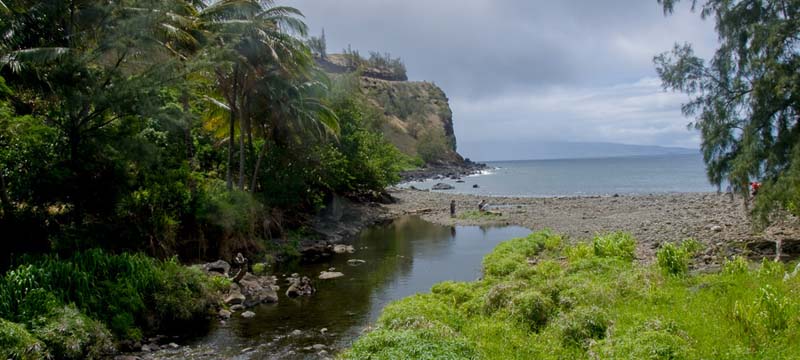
293, 108
253, 41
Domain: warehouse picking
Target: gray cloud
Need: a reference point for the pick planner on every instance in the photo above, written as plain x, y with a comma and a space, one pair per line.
572, 70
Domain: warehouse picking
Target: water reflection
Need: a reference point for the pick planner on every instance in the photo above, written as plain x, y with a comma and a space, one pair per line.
402, 258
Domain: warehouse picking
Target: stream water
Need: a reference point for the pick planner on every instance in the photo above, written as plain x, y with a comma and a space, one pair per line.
402, 258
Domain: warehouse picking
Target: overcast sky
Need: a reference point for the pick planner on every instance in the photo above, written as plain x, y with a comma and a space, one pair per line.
530, 70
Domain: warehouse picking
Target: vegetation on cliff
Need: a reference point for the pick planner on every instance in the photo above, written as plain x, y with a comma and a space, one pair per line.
541, 299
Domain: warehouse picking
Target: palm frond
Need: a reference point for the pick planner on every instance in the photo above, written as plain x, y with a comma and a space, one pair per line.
16, 60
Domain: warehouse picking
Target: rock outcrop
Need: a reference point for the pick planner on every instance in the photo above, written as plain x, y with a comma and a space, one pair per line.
415, 112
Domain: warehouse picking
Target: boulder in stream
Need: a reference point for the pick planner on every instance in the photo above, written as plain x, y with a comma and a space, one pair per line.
299, 287
326, 275
258, 289
248, 314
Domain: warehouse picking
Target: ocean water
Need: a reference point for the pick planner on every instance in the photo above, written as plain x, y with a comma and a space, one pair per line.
585, 177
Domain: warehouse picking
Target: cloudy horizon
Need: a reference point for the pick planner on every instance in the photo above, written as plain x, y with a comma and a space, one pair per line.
522, 70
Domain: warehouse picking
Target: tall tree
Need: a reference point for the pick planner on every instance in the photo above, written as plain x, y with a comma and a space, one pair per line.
86, 66
253, 39
746, 99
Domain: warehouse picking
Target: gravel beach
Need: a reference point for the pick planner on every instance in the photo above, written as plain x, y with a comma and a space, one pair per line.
713, 219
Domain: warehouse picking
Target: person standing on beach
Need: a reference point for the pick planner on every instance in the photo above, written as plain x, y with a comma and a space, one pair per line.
452, 208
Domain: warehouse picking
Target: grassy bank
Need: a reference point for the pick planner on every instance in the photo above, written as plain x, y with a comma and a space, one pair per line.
81, 307
540, 299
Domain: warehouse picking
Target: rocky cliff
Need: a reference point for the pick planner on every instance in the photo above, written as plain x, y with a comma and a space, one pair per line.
417, 115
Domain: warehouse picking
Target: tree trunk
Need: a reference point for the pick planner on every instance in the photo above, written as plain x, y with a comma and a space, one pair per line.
258, 166
242, 131
231, 137
232, 129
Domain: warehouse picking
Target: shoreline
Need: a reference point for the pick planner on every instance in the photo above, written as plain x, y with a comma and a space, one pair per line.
720, 224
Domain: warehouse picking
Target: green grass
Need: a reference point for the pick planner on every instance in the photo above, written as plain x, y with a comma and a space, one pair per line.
540, 299
477, 215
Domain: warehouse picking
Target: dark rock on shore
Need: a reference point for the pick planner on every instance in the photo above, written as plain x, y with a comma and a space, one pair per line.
443, 186
443, 171
219, 266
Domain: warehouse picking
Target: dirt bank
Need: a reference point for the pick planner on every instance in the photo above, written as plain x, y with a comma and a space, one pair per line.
713, 219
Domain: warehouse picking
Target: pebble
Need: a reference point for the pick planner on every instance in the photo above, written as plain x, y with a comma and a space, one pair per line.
173, 346
248, 314
297, 333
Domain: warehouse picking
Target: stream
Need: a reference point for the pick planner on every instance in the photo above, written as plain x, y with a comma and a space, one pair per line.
404, 257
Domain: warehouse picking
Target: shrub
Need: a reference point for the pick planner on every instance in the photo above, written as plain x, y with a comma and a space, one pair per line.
768, 268
691, 246
580, 251
126, 292
618, 244
457, 292
654, 340
533, 309
18, 343
672, 260
583, 324
430, 343
72, 335
736, 266
513, 255
500, 296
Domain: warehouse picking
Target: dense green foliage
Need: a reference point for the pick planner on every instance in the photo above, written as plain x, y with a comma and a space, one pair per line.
55, 302
189, 127
746, 99
541, 299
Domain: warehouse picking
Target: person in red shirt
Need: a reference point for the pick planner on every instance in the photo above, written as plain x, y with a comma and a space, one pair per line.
754, 186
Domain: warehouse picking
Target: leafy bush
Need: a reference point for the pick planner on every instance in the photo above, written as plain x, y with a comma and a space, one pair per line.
126, 292
654, 340
423, 343
17, 343
69, 334
500, 296
618, 244
673, 260
580, 251
736, 266
533, 309
512, 255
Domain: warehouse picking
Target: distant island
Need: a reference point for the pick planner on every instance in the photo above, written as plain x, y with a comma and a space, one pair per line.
537, 150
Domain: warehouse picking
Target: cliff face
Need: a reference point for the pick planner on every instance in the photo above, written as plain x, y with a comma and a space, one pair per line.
417, 115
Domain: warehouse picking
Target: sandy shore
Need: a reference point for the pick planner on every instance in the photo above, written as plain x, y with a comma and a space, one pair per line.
721, 224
